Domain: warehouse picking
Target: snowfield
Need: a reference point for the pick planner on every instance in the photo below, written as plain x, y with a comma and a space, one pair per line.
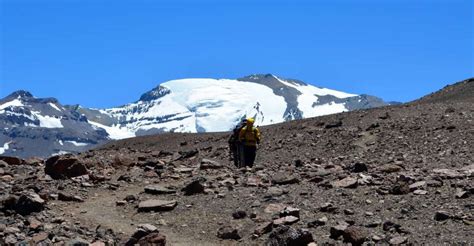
214, 105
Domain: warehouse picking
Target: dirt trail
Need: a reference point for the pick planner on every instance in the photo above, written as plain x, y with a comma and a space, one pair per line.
101, 209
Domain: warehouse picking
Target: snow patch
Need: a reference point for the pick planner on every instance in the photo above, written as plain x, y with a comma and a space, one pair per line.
115, 132
54, 106
47, 121
309, 95
309, 89
60, 153
5, 147
79, 144
13, 103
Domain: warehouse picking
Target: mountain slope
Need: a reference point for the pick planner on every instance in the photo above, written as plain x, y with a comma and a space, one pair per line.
43, 127
211, 105
462, 91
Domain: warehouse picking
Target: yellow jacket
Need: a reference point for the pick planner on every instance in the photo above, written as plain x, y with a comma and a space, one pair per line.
249, 137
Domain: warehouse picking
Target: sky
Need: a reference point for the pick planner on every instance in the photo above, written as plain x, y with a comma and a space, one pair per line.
101, 53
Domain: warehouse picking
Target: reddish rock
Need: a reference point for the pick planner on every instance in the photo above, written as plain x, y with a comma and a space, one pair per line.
390, 168
59, 167
228, 232
285, 235
10, 160
69, 198
263, 228
287, 220
355, 235
156, 205
348, 182
154, 238
40, 237
29, 203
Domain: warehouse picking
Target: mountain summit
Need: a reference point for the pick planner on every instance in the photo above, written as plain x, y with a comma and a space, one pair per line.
184, 105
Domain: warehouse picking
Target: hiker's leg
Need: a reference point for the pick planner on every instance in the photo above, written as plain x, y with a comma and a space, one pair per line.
252, 155
237, 155
241, 156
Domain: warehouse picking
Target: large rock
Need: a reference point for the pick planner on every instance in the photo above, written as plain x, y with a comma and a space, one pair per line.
29, 203
348, 182
69, 198
263, 228
210, 164
146, 234
11, 160
288, 236
156, 205
287, 220
59, 167
400, 188
194, 187
441, 215
158, 189
284, 178
355, 235
338, 230
228, 232
154, 238
390, 168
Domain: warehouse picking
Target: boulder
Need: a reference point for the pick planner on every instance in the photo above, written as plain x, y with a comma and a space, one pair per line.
210, 164
10, 160
347, 182
417, 185
290, 211
398, 240
29, 203
194, 187
158, 189
154, 238
59, 167
441, 215
338, 230
400, 188
156, 205
284, 178
263, 228
228, 232
240, 214
69, 198
286, 235
318, 222
359, 167
355, 235
287, 220
333, 124
390, 168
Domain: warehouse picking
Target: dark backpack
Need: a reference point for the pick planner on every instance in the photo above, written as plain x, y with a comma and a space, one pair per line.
235, 133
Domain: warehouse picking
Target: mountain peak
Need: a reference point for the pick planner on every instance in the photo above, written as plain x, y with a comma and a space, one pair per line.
155, 93
269, 79
20, 94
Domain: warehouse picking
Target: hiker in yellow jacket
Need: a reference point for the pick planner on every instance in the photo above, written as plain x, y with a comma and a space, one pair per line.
249, 136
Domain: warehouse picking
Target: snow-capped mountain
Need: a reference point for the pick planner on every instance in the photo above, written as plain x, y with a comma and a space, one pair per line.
43, 127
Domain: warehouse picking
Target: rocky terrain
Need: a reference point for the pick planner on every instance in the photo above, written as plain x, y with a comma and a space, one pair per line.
391, 175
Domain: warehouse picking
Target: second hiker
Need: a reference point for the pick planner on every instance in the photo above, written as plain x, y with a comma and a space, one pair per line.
249, 136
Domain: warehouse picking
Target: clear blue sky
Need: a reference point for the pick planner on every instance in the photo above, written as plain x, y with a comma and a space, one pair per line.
101, 53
